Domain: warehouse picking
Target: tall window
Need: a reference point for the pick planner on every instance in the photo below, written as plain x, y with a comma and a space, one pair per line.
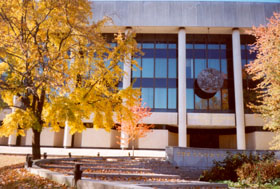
246, 57
158, 77
209, 51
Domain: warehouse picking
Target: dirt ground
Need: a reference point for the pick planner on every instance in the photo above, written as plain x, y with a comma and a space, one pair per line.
6, 160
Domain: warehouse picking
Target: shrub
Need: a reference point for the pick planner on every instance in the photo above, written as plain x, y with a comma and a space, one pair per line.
226, 169
259, 173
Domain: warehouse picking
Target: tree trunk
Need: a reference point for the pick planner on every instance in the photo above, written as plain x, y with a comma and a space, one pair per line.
36, 151
133, 143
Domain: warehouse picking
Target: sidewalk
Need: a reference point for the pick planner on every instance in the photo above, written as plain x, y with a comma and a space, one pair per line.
81, 151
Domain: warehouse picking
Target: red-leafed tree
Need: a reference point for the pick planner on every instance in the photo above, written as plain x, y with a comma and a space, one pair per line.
266, 70
133, 127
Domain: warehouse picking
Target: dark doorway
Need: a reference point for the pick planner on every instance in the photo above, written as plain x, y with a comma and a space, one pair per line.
204, 140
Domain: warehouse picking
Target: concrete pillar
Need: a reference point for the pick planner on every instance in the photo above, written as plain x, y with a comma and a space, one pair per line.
126, 83
182, 115
67, 139
13, 138
238, 90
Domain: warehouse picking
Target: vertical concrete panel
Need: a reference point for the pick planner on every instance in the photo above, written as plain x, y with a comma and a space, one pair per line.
3, 140
258, 13
58, 138
230, 14
162, 12
120, 13
189, 13
175, 17
47, 137
97, 9
259, 140
149, 13
204, 14
227, 141
135, 9
244, 15
157, 139
172, 139
217, 15
28, 136
251, 141
99, 138
77, 140
269, 10
109, 9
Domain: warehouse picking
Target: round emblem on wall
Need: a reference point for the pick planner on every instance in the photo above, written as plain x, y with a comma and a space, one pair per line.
210, 80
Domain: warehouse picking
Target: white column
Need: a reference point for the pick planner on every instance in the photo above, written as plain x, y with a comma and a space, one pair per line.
238, 90
13, 138
126, 83
182, 116
67, 139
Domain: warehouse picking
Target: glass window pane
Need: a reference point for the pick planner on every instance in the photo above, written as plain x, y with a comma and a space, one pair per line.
200, 104
161, 45
213, 46
215, 102
189, 71
136, 72
148, 45
172, 46
190, 99
160, 98
214, 63
199, 46
225, 105
147, 97
172, 68
200, 64
243, 62
189, 46
172, 98
224, 68
148, 67
223, 46
161, 68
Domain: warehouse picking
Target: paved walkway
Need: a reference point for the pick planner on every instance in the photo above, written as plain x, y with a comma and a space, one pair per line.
82, 151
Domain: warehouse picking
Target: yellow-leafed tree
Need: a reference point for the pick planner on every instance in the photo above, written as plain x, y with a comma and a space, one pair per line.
266, 71
58, 66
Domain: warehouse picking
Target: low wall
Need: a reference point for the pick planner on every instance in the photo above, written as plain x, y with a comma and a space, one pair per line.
48, 137
202, 158
96, 138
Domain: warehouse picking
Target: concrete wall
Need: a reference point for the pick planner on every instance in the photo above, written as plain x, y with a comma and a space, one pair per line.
185, 13
4, 112
259, 140
253, 120
157, 139
162, 118
48, 138
202, 158
4, 140
96, 138
227, 141
211, 119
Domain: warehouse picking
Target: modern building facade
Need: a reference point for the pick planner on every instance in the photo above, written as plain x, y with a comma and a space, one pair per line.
192, 73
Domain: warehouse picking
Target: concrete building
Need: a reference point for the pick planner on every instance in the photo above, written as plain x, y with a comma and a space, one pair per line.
192, 73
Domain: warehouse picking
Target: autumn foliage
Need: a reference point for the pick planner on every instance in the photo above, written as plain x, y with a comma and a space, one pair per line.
133, 127
266, 70
59, 66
